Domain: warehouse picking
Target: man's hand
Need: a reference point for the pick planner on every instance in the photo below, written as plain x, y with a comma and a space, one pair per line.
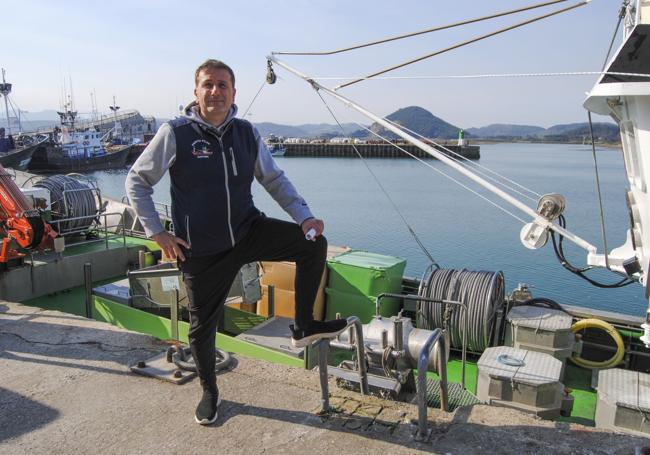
313, 223
169, 245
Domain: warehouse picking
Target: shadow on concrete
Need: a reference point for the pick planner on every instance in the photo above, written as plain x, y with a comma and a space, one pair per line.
456, 436
21, 415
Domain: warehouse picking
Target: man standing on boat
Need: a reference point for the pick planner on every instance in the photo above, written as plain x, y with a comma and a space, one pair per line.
212, 158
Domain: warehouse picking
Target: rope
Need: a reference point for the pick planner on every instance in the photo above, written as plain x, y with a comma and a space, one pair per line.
600, 197
621, 15
460, 159
459, 183
482, 292
487, 76
422, 32
253, 100
70, 198
465, 43
408, 226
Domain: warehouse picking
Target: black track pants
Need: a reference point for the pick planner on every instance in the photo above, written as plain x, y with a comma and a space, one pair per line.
209, 278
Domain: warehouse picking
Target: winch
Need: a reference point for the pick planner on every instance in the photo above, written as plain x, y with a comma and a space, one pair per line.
392, 349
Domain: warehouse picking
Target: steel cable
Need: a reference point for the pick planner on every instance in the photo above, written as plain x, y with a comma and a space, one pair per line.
483, 293
70, 198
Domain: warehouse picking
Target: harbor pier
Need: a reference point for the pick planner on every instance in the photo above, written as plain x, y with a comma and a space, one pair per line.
330, 150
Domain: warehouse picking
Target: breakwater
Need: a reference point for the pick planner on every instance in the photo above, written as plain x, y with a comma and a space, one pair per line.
373, 150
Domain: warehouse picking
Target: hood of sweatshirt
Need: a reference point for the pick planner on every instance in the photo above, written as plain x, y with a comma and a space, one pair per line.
191, 112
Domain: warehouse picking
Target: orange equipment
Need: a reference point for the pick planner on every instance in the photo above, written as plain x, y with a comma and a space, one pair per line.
19, 221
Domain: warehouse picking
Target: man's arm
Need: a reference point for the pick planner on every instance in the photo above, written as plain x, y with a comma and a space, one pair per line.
276, 183
148, 169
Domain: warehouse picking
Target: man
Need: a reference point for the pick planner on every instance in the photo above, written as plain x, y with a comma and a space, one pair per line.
212, 158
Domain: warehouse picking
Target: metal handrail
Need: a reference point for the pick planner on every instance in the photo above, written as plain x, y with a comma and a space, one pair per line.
323, 346
105, 226
158, 273
437, 341
443, 302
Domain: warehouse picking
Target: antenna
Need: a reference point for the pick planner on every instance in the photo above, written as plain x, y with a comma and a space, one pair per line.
115, 108
5, 90
72, 106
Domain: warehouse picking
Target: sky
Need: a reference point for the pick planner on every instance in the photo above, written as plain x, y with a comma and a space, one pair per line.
145, 52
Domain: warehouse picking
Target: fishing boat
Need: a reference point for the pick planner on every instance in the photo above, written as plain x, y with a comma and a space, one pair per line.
275, 145
71, 150
15, 151
20, 155
457, 340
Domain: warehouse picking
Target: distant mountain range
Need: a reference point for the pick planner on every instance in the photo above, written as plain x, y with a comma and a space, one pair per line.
414, 118
306, 130
569, 132
425, 123
502, 129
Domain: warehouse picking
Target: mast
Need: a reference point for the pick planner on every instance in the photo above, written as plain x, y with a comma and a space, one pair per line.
5, 89
116, 125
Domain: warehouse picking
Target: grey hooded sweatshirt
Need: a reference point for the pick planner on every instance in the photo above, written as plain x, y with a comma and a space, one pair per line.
211, 173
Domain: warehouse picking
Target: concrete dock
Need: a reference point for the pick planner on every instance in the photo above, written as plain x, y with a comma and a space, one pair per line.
66, 387
382, 150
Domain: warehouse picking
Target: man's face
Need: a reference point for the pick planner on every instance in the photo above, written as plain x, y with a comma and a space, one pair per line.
214, 92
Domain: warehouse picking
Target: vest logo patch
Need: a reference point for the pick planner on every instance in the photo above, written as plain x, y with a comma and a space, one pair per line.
201, 149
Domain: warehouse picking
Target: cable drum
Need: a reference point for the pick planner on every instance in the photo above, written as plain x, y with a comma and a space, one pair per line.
482, 292
71, 198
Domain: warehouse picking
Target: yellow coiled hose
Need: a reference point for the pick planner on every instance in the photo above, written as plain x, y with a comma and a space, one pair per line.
607, 327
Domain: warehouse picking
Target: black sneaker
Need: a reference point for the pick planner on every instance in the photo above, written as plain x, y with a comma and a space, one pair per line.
206, 412
317, 330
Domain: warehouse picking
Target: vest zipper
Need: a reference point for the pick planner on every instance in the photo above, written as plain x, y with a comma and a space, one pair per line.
225, 172
187, 230
234, 165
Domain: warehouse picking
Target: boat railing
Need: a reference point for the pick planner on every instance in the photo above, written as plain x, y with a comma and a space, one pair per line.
162, 208
105, 228
164, 211
435, 341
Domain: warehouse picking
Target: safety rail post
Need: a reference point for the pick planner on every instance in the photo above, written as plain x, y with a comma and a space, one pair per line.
173, 313
462, 305
88, 283
438, 341
323, 350
323, 353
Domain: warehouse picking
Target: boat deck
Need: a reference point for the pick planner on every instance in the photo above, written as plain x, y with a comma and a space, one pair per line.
66, 387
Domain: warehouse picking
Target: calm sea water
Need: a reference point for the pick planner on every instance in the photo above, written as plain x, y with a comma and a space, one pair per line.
460, 229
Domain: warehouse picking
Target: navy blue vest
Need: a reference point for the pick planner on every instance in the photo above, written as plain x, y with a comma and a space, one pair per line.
211, 178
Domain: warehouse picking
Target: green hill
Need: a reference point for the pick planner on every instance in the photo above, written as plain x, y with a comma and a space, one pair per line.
421, 121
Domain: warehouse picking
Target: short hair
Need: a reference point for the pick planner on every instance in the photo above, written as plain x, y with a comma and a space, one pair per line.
215, 65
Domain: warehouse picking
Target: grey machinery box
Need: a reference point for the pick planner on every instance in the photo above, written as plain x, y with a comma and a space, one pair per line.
623, 401
541, 329
521, 379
